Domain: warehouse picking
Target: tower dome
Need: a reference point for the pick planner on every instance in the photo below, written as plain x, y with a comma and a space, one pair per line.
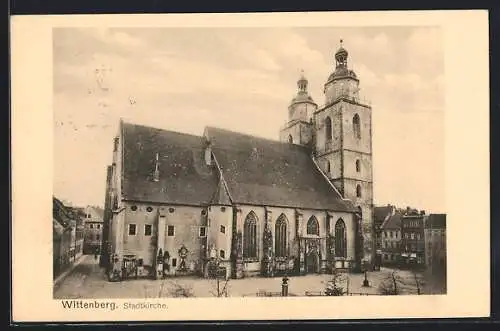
302, 93
341, 68
341, 54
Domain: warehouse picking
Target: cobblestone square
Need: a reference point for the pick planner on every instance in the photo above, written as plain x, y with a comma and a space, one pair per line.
88, 281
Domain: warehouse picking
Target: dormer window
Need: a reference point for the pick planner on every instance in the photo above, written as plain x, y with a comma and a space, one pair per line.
156, 173
209, 158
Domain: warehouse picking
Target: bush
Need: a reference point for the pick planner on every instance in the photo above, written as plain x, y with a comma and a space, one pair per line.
333, 287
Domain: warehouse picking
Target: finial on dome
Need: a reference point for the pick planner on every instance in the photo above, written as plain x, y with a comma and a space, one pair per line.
341, 54
302, 82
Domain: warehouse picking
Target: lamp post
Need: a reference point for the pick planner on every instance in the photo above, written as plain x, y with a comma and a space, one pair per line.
366, 283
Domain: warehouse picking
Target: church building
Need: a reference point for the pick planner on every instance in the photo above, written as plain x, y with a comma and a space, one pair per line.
177, 203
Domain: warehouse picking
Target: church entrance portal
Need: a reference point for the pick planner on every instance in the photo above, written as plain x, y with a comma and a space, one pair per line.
312, 262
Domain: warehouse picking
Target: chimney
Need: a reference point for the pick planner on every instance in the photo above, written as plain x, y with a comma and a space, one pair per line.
208, 153
422, 212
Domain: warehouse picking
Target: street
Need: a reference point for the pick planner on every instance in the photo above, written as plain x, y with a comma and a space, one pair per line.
88, 281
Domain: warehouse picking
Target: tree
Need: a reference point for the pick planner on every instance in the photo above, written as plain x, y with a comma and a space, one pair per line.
391, 284
180, 291
221, 291
334, 285
217, 271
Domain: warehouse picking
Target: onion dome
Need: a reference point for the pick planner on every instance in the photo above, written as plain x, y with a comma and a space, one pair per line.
341, 68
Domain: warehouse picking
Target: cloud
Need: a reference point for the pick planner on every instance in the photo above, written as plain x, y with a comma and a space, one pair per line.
114, 37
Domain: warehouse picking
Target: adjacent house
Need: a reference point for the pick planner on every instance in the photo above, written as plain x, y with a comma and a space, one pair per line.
380, 215
77, 215
391, 239
62, 237
412, 238
435, 241
93, 231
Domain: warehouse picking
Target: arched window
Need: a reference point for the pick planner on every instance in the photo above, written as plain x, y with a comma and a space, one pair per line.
290, 139
356, 126
358, 191
358, 166
340, 239
328, 128
313, 226
280, 248
250, 236
328, 167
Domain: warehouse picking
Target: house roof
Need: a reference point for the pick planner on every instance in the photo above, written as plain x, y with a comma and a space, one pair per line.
96, 212
267, 172
184, 177
61, 213
393, 222
436, 221
380, 213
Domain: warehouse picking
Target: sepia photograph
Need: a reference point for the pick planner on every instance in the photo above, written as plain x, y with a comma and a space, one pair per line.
182, 195
241, 165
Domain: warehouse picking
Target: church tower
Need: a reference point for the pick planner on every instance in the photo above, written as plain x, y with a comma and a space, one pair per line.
299, 128
343, 143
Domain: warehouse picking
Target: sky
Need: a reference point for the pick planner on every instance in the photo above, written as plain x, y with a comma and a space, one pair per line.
243, 79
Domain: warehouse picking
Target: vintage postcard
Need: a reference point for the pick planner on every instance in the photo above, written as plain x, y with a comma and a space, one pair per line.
240, 166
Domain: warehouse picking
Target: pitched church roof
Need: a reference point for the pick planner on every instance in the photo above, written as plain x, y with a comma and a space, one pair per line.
184, 178
257, 171
266, 172
221, 197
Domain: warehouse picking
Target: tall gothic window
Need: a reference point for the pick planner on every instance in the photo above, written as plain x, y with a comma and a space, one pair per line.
328, 128
280, 249
250, 236
313, 226
358, 166
340, 239
358, 191
290, 139
356, 126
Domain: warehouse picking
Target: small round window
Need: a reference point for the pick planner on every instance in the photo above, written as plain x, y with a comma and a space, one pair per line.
222, 209
171, 210
134, 208
203, 212
149, 209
